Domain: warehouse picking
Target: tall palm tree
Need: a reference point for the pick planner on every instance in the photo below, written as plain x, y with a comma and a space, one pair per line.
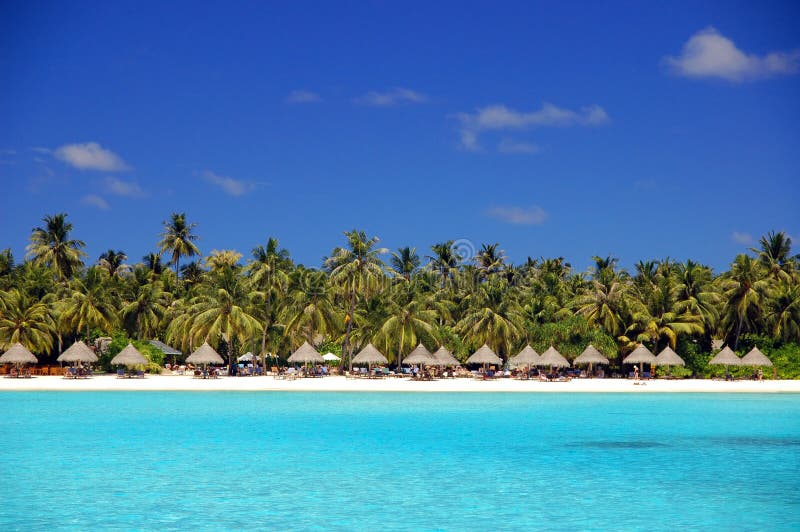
152, 262
113, 262
490, 259
405, 262
783, 314
695, 293
774, 254
52, 246
26, 320
493, 317
358, 270
744, 290
308, 309
268, 276
178, 239
89, 304
147, 308
410, 316
444, 261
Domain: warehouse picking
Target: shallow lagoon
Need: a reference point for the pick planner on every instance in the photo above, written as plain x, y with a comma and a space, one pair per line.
180, 460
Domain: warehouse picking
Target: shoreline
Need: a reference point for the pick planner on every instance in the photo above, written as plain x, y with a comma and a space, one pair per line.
343, 384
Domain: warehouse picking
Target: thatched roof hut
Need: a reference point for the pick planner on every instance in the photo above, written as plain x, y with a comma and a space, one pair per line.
205, 354
443, 357
78, 352
164, 348
370, 355
527, 357
420, 355
18, 354
553, 358
726, 357
306, 354
591, 355
484, 355
640, 355
130, 356
755, 358
668, 357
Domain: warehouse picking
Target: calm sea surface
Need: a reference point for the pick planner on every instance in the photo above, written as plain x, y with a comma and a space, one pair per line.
182, 460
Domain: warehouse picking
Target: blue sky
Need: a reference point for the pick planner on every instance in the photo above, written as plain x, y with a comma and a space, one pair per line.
556, 129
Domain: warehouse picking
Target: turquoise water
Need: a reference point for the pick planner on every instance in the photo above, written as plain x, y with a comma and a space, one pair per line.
180, 460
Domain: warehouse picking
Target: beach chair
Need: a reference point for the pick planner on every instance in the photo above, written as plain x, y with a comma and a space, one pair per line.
139, 374
120, 373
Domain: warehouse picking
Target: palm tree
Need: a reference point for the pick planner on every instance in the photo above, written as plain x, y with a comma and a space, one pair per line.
695, 293
490, 260
493, 317
604, 304
178, 239
89, 304
744, 289
783, 315
113, 262
358, 270
147, 308
409, 317
444, 260
152, 262
775, 255
267, 275
26, 320
308, 309
51, 245
405, 262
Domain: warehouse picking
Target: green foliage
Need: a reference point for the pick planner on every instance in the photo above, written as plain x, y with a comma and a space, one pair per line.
119, 340
570, 337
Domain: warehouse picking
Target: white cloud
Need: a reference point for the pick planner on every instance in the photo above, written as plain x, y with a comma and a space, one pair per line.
303, 96
232, 187
513, 146
93, 200
392, 97
119, 187
90, 156
39, 149
742, 238
518, 215
498, 117
709, 54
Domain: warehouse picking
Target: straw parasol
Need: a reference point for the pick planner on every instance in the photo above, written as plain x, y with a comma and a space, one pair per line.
641, 355
369, 356
130, 356
527, 357
420, 355
755, 358
330, 357
591, 355
306, 354
553, 358
78, 352
247, 357
205, 355
18, 355
484, 356
726, 357
443, 357
668, 357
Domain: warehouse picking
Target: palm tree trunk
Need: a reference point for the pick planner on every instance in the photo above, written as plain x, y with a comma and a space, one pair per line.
738, 331
348, 329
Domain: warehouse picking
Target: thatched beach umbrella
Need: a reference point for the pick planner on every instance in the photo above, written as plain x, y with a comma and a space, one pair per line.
420, 355
667, 357
205, 354
591, 355
18, 355
484, 356
330, 357
527, 357
306, 354
726, 358
641, 355
369, 356
78, 352
755, 358
166, 349
443, 357
130, 356
247, 357
553, 358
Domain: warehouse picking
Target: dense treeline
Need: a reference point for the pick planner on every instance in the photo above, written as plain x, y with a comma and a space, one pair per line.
447, 295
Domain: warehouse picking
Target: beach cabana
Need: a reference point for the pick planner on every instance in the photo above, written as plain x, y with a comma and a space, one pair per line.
330, 357
667, 357
527, 357
78, 352
419, 356
204, 355
641, 355
485, 356
18, 355
369, 356
553, 358
591, 355
443, 357
756, 358
726, 358
306, 354
130, 356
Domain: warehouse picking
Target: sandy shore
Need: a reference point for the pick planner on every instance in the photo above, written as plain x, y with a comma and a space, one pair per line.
342, 384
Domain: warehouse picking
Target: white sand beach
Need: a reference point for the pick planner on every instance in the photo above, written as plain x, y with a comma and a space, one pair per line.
342, 384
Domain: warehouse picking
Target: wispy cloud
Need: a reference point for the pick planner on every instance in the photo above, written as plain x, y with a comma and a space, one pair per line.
709, 54
303, 96
498, 117
391, 97
40, 149
534, 215
229, 185
93, 200
514, 146
8, 151
742, 238
120, 187
90, 156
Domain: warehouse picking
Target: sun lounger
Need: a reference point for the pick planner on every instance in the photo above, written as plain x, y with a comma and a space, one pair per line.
120, 373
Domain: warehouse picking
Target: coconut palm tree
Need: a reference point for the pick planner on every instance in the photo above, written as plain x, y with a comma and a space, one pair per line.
493, 316
51, 245
410, 317
774, 254
308, 309
26, 320
745, 288
695, 293
783, 315
147, 308
444, 261
89, 304
268, 277
358, 271
113, 262
178, 239
490, 259
404, 262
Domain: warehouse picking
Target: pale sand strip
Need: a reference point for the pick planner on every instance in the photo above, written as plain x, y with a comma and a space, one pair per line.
341, 384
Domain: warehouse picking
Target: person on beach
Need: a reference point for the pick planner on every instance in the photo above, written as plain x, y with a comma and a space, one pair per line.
760, 374
635, 373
